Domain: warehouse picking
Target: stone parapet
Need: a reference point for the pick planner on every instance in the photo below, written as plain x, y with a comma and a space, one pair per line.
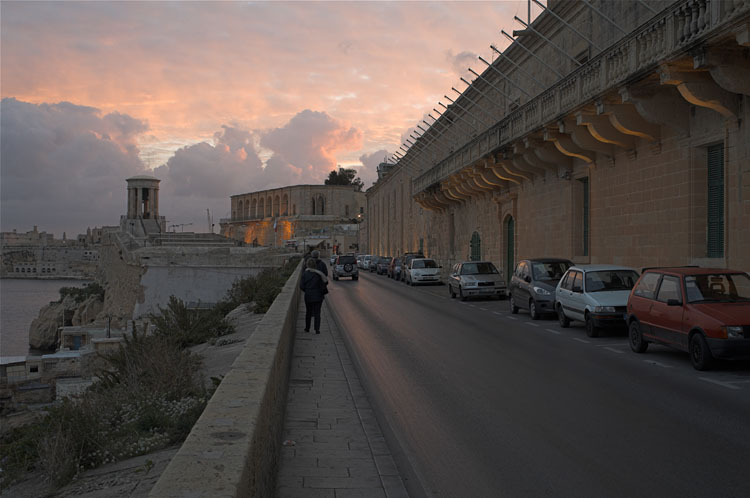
233, 449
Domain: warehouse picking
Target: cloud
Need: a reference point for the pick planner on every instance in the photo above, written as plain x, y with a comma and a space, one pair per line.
306, 148
461, 62
369, 170
64, 165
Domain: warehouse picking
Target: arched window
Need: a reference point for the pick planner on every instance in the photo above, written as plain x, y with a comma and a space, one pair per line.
476, 247
254, 212
285, 205
276, 206
261, 208
346, 210
247, 209
239, 208
269, 206
294, 209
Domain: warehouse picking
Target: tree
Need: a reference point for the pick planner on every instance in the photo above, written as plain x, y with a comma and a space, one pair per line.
345, 176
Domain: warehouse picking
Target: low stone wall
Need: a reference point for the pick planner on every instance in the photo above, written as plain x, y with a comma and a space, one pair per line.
233, 449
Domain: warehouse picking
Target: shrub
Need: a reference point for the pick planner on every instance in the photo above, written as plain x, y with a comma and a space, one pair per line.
261, 289
80, 294
187, 327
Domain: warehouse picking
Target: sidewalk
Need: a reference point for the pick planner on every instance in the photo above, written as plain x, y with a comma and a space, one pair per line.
332, 445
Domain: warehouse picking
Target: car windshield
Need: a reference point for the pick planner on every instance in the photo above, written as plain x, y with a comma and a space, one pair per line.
549, 271
385, 260
610, 280
346, 260
721, 287
423, 263
478, 269
397, 261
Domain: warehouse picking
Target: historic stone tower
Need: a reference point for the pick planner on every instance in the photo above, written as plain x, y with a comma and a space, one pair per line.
143, 207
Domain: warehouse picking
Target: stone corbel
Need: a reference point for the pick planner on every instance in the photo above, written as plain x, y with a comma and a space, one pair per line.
602, 130
626, 119
730, 69
448, 192
582, 138
699, 89
664, 107
479, 181
522, 164
486, 178
444, 199
531, 157
565, 145
467, 184
504, 169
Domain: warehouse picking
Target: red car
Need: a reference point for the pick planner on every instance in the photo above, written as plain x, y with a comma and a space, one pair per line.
703, 311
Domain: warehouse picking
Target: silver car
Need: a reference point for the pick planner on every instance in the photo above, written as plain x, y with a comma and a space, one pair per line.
476, 278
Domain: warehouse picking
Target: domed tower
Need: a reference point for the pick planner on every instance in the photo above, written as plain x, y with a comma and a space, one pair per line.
143, 207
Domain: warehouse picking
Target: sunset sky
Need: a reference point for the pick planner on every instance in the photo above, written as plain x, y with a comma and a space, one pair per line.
216, 98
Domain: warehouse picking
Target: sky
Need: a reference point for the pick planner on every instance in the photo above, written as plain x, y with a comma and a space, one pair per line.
216, 98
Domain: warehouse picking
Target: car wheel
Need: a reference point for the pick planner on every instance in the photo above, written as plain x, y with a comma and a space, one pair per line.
450, 291
461, 294
591, 329
513, 307
533, 311
700, 354
564, 320
637, 343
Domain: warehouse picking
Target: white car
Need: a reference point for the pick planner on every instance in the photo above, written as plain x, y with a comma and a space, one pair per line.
594, 294
422, 271
366, 261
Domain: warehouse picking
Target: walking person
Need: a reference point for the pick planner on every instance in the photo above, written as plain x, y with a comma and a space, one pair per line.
314, 284
319, 263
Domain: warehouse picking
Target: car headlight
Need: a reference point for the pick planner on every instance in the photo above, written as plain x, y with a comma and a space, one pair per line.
604, 309
542, 292
733, 332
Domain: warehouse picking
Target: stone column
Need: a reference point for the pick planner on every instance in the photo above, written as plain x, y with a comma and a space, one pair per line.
155, 201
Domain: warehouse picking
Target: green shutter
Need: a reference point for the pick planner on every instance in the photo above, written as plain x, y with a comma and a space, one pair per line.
585, 221
476, 247
715, 202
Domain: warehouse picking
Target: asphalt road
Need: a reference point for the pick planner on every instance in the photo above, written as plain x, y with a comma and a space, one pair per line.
482, 403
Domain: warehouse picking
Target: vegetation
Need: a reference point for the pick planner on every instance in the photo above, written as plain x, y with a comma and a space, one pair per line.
261, 289
149, 397
80, 294
188, 327
345, 176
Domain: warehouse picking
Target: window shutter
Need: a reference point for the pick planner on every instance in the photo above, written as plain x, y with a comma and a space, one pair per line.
715, 202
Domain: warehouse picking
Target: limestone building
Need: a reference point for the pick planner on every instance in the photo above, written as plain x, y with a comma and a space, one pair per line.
299, 215
607, 132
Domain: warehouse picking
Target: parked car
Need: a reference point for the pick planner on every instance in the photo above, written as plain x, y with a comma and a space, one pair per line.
394, 269
423, 271
703, 311
382, 265
373, 265
533, 283
405, 259
333, 259
476, 278
345, 266
594, 294
359, 260
366, 261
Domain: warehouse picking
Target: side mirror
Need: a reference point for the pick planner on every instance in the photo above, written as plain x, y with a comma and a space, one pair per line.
527, 278
674, 302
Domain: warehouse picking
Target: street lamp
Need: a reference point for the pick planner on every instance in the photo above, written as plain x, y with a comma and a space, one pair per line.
359, 220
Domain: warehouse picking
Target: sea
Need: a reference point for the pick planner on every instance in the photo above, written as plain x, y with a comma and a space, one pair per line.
20, 302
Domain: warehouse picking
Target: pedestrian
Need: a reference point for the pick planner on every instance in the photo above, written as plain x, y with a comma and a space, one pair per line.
314, 284
319, 263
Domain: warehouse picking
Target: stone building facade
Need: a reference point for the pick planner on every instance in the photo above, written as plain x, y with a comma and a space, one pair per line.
299, 214
623, 144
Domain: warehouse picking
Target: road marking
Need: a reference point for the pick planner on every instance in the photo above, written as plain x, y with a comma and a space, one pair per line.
614, 350
532, 324
612, 345
483, 309
719, 383
498, 313
652, 362
512, 318
553, 331
581, 340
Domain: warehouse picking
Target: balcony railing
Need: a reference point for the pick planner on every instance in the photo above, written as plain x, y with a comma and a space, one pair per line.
675, 29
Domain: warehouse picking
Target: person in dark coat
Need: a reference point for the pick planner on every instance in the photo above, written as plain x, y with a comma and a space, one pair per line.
320, 264
314, 283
